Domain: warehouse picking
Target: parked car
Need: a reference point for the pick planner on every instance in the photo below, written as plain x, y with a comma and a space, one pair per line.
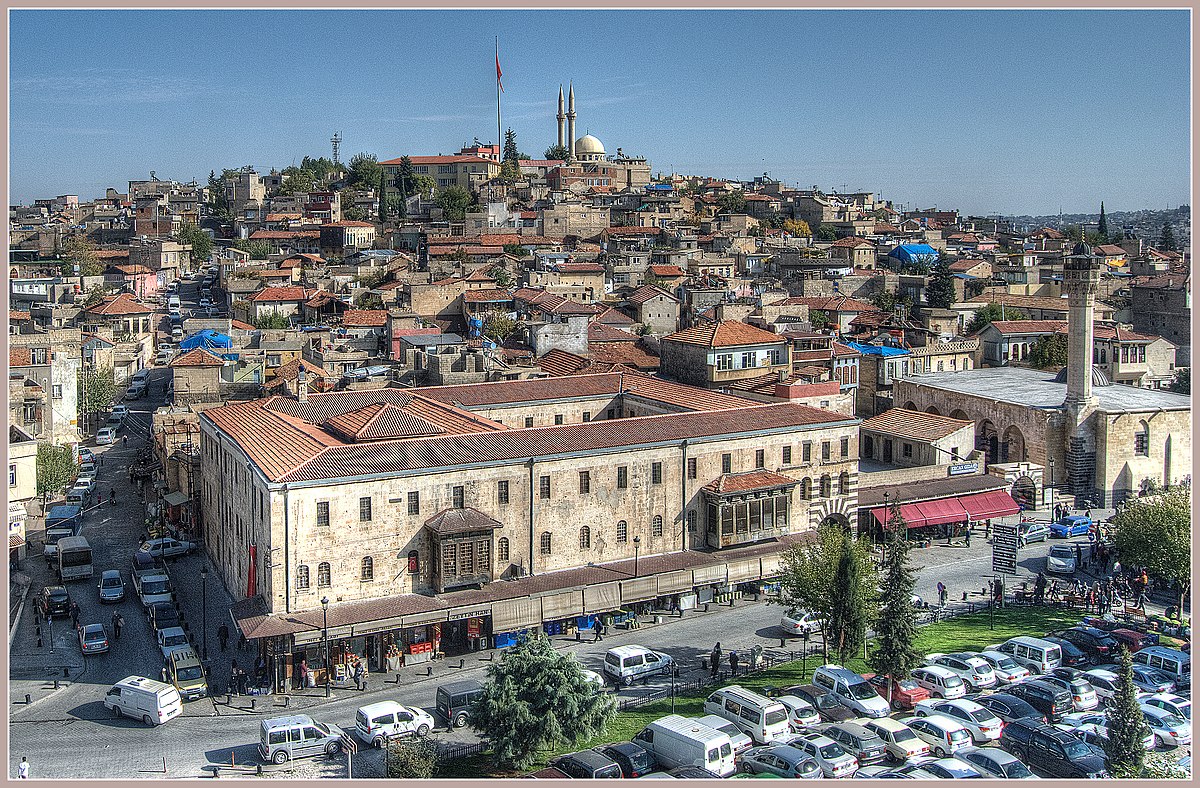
1173, 704
951, 769
1132, 639
1033, 532
798, 622
1055, 752
857, 740
826, 703
1170, 730
162, 615
1061, 560
829, 755
122, 411
737, 737
84, 485
587, 764
87, 455
944, 735
905, 694
633, 760
1072, 656
1096, 643
1083, 694
171, 638
54, 601
994, 762
111, 586
625, 664
782, 760
1071, 525
1176, 663
454, 701
1036, 654
1092, 727
1009, 707
801, 714
1007, 669
1152, 680
298, 736
168, 547
763, 719
1104, 682
940, 681
1051, 700
971, 668
851, 690
900, 741
691, 773
105, 436
93, 639
163, 356
984, 725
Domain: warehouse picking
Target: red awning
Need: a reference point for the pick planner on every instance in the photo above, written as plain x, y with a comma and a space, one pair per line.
986, 505
908, 511
945, 510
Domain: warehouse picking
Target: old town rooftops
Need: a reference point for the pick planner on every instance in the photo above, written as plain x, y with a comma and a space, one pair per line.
914, 424
728, 333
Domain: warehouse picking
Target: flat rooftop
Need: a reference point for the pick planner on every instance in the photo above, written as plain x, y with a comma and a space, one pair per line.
1037, 389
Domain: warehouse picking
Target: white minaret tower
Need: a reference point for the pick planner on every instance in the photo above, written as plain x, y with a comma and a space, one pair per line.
561, 117
571, 119
1081, 280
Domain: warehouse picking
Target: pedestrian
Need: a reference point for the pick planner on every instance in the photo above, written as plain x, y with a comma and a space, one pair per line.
942, 594
74, 609
23, 769
116, 625
233, 679
359, 676
968, 536
733, 663
125, 441
715, 659
303, 674
223, 636
101, 460
600, 631
112, 496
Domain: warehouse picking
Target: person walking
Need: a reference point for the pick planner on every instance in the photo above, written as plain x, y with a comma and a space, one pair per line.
968, 537
74, 610
223, 636
598, 627
117, 623
234, 687
715, 659
112, 496
23, 768
359, 676
303, 674
733, 663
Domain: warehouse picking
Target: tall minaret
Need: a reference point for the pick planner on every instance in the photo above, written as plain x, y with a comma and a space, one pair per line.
561, 117
571, 119
1081, 280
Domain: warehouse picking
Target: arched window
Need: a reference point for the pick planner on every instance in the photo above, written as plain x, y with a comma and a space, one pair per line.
414, 563
585, 538
502, 549
1141, 440
806, 489
323, 574
368, 568
844, 484
302, 576
826, 486
545, 543
622, 531
656, 526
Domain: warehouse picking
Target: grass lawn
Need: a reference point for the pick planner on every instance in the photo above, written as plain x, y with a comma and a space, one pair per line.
971, 632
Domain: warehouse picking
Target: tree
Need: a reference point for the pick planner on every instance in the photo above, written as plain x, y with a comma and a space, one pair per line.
1154, 533
510, 163
536, 698
365, 171
1123, 747
849, 616
273, 319
383, 200
55, 468
989, 314
217, 201
368, 300
826, 232
797, 227
297, 181
95, 390
350, 210
516, 250
196, 238
1183, 380
454, 201
1166, 238
411, 759
95, 296
557, 153
498, 327
501, 275
895, 653
80, 253
259, 250
1102, 227
887, 300
819, 318
732, 202
1049, 351
322, 169
940, 294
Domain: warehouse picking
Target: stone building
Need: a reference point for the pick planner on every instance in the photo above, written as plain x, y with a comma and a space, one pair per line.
911, 437
1163, 305
717, 354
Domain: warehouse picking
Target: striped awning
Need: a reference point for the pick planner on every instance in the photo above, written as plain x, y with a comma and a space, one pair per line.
990, 504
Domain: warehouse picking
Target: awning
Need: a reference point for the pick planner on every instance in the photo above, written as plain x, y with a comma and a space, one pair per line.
428, 617
771, 564
509, 615
601, 598
945, 510
564, 604
911, 514
986, 505
176, 499
639, 589
703, 575
675, 582
741, 570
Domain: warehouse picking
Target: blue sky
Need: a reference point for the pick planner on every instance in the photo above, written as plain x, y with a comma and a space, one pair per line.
986, 111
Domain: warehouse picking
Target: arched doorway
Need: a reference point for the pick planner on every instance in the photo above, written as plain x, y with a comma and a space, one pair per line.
1024, 492
987, 440
1012, 447
960, 414
838, 519
932, 411
910, 405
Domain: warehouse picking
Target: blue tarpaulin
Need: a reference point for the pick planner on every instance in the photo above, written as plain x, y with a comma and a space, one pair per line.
206, 338
911, 253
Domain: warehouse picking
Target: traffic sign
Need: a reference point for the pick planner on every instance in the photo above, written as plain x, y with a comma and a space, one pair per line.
1004, 548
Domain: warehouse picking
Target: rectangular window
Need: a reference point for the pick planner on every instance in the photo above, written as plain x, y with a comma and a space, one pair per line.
56, 391
587, 416
724, 361
12, 475
656, 473
611, 413
845, 448
585, 482
806, 452
558, 419
457, 494
414, 503
529, 421
748, 359
1141, 444
825, 451
787, 455
622, 477
906, 450
544, 488
364, 509
502, 492
726, 463
691, 468
760, 458
323, 513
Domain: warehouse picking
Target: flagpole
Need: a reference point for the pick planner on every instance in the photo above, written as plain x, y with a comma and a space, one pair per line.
499, 139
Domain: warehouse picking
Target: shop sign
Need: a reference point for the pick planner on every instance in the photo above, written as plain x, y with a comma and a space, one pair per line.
473, 627
457, 616
964, 468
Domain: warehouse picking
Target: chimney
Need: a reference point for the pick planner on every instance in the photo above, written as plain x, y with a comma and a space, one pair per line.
302, 384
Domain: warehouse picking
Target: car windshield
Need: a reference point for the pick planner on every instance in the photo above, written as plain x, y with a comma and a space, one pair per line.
155, 587
1015, 770
776, 716
982, 715
1081, 687
831, 751
908, 685
1007, 663
952, 681
863, 691
1168, 720
187, 674
903, 735
322, 727
110, 582
93, 634
1062, 551
1076, 749
174, 640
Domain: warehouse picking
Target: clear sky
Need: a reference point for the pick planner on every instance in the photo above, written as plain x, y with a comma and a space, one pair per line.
984, 111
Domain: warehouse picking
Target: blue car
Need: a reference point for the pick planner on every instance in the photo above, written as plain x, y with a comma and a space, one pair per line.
1071, 525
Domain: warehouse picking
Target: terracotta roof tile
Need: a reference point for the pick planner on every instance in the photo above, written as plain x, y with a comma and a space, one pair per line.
728, 483
728, 333
626, 354
618, 231
486, 295
281, 294
457, 521
560, 362
646, 292
838, 303
284, 235
914, 424
20, 357
851, 242
613, 317
365, 317
602, 332
381, 421
348, 223
197, 357
667, 271
579, 268
15, 315
1028, 326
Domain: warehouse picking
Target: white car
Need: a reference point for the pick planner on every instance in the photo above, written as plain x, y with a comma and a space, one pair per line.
1104, 682
801, 714
163, 356
984, 726
1094, 723
829, 755
1007, 669
798, 622
1175, 704
120, 412
105, 436
593, 677
941, 682
1171, 731
171, 638
995, 762
945, 736
971, 668
376, 722
168, 547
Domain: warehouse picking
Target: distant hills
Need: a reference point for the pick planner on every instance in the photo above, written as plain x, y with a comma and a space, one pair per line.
1145, 224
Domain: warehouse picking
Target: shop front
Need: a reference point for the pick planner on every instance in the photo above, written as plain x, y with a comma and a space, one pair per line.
929, 515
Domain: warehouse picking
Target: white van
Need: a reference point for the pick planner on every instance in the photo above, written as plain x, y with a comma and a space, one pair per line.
298, 736
173, 302
851, 690
676, 742
765, 720
1040, 656
624, 664
941, 682
1176, 664
150, 701
375, 722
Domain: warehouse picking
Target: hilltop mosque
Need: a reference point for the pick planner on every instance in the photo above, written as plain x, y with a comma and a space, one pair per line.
589, 162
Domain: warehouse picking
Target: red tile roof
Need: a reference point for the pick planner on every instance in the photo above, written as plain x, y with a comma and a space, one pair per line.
647, 292
381, 421
667, 271
241, 325
348, 223
111, 254
613, 317
20, 357
838, 303
121, 304
730, 483
728, 333
633, 231
1114, 334
602, 332
14, 315
486, 295
198, 357
131, 269
560, 362
284, 235
850, 242
365, 317
965, 265
1028, 326
297, 294
579, 268
914, 424
1108, 250
464, 520
632, 355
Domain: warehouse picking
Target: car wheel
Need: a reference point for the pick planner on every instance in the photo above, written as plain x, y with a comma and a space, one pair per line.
422, 731
460, 720
146, 719
377, 742
939, 752
117, 712
333, 748
279, 758
627, 680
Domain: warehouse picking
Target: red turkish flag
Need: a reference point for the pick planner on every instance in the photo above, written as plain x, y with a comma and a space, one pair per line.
499, 73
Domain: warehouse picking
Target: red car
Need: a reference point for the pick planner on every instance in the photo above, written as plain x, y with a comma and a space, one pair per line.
906, 694
1132, 639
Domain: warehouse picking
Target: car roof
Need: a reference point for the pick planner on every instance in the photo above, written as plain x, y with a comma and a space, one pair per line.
294, 719
942, 721
110, 573
380, 706
937, 670
93, 627
887, 724
171, 631
589, 758
626, 651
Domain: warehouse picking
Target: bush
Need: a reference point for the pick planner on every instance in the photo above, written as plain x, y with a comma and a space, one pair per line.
410, 759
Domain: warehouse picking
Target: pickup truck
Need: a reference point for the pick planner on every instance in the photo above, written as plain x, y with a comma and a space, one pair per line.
150, 581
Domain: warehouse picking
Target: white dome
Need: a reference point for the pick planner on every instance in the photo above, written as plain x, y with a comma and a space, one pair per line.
588, 144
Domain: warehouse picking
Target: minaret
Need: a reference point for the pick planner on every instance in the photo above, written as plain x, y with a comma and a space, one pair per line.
571, 119
1081, 280
561, 117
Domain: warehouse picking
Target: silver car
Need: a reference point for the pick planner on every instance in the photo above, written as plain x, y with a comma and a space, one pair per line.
1171, 731
168, 547
781, 760
112, 586
995, 762
93, 639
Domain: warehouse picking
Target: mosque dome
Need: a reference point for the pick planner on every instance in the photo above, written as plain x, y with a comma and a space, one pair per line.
1081, 250
1099, 377
587, 144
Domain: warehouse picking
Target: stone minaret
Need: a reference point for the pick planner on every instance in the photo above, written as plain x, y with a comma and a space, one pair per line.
1081, 280
561, 117
571, 120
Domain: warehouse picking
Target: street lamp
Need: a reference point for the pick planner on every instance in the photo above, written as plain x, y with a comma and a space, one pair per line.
204, 608
637, 543
325, 641
1052, 484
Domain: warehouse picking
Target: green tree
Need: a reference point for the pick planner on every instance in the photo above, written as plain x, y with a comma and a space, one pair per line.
55, 468
826, 232
350, 210
368, 300
501, 275
1102, 227
454, 202
271, 320
80, 253
536, 699
849, 603
95, 296
297, 181
732, 202
1166, 238
196, 238
895, 652
1123, 748
940, 294
217, 201
887, 300
510, 162
989, 314
1155, 534
409, 759
1183, 380
95, 390
259, 250
819, 318
365, 171
321, 169
516, 250
557, 153
498, 327
1049, 351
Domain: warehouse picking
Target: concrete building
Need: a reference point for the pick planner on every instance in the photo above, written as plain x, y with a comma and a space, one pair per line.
907, 438
716, 354
42, 399
22, 487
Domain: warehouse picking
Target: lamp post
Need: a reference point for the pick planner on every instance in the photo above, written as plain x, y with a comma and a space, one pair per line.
204, 608
325, 641
1052, 484
637, 543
